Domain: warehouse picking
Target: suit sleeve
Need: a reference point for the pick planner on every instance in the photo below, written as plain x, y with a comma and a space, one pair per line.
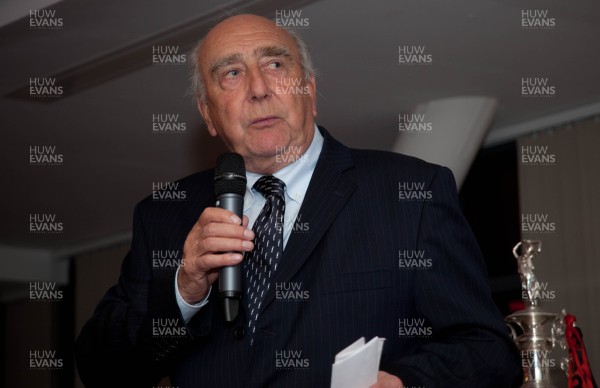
469, 346
119, 340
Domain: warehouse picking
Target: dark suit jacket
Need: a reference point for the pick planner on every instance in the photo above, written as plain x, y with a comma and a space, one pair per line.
348, 263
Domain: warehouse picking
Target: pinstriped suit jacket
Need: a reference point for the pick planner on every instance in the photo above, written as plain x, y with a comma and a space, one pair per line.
380, 249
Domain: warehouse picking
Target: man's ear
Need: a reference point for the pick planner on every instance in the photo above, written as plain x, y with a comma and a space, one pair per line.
203, 109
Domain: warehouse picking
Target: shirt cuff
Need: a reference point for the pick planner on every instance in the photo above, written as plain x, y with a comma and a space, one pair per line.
188, 310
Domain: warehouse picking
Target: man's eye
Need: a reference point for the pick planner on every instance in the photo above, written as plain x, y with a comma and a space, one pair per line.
275, 65
232, 73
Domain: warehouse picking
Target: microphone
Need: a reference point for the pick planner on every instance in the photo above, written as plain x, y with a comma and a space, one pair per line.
230, 186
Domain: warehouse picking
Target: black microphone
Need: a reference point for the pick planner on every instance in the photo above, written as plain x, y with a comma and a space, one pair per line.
230, 186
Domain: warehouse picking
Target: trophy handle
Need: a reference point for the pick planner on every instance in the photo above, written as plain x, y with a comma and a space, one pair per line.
512, 332
515, 250
533, 247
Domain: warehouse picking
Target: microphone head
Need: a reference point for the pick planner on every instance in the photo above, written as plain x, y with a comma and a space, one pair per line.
230, 174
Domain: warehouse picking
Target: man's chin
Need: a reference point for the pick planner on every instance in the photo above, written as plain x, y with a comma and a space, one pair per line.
268, 144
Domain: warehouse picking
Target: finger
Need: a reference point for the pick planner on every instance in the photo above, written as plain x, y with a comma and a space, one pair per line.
218, 229
224, 244
386, 380
216, 214
212, 262
245, 221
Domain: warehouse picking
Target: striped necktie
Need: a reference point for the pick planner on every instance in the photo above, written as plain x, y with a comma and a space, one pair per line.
261, 263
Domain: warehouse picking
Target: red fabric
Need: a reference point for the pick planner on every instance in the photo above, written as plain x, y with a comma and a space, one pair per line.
580, 374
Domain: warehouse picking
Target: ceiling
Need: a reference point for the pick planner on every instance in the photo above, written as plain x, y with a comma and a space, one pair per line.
102, 125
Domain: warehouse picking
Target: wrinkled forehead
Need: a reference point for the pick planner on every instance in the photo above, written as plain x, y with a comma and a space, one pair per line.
243, 37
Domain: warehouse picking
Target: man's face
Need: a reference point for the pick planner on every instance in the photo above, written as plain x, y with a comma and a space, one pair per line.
251, 70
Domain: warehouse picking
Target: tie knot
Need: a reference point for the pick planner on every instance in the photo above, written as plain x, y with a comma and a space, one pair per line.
269, 185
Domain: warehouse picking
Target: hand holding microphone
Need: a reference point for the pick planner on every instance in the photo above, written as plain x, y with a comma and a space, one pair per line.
215, 245
230, 186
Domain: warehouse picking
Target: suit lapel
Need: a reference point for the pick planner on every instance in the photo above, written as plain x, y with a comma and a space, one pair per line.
328, 191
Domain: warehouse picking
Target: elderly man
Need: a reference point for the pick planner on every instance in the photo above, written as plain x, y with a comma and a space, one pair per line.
349, 264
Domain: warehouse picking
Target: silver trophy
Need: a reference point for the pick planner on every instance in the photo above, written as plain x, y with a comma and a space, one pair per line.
539, 335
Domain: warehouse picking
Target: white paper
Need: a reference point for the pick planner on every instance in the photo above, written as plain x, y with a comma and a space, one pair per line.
357, 365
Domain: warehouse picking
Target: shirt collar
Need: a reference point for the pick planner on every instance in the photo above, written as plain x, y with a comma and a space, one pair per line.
296, 175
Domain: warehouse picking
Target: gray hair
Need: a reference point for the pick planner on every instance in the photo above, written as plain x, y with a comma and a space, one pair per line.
199, 88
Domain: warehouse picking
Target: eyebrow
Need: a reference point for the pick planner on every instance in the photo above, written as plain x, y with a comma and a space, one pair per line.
272, 51
263, 51
222, 62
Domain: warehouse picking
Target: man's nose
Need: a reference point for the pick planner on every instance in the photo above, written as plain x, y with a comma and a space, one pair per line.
258, 87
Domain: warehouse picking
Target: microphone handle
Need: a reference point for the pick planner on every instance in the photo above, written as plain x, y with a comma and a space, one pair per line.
230, 277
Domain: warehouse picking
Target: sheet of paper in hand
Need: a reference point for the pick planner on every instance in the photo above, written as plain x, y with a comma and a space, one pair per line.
356, 366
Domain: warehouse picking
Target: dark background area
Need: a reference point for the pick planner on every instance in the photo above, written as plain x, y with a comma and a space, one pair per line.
490, 201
